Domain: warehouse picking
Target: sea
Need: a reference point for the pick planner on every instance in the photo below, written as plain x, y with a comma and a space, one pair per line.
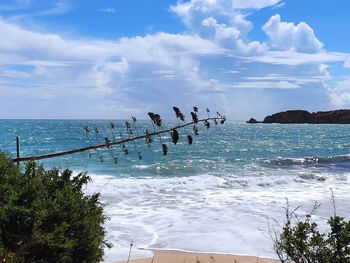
226, 193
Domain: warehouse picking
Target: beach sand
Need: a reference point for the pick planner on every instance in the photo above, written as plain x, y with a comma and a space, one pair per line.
190, 257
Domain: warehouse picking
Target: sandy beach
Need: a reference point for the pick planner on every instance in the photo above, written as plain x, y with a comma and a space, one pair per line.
190, 257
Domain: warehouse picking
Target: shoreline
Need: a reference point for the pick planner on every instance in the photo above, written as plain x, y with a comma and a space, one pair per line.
181, 256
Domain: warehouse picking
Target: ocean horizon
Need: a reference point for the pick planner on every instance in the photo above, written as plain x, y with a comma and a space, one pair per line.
226, 193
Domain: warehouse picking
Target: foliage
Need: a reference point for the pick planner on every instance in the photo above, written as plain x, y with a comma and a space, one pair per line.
46, 217
301, 241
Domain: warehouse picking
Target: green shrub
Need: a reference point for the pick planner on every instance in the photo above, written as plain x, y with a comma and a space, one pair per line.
45, 216
300, 240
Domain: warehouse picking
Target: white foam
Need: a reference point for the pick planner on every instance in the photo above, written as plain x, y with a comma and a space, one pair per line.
142, 166
206, 212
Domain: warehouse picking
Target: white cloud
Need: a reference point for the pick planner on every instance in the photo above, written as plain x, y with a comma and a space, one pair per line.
221, 21
99, 74
340, 93
265, 85
281, 4
213, 64
14, 74
221, 31
232, 72
254, 4
109, 10
288, 36
347, 63
25, 9
323, 76
165, 48
293, 58
25, 45
195, 11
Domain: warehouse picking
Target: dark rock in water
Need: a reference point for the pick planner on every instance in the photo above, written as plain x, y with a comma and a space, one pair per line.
252, 120
302, 116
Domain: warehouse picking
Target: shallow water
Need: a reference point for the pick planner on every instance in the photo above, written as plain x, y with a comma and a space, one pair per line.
222, 194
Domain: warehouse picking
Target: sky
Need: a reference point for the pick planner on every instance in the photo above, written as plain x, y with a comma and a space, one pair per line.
111, 59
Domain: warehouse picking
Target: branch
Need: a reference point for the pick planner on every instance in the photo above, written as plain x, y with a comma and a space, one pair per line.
99, 146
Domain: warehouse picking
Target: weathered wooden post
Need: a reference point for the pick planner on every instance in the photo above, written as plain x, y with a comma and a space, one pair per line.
17, 148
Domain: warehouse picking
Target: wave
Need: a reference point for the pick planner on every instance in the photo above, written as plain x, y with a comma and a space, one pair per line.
328, 160
167, 169
163, 212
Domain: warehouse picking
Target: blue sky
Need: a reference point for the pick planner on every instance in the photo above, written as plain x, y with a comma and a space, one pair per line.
115, 59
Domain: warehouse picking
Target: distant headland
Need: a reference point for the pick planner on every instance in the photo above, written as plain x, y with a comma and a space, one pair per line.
303, 116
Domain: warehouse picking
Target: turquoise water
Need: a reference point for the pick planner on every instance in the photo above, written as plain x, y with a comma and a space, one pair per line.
227, 186
217, 150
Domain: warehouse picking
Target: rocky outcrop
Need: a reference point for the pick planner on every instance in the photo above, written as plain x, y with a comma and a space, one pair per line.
252, 120
302, 116
291, 116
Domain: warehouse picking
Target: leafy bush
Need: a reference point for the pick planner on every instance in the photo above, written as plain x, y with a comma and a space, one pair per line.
300, 240
45, 216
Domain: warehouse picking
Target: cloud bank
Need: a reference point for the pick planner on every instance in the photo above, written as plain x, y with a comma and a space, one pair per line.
214, 64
